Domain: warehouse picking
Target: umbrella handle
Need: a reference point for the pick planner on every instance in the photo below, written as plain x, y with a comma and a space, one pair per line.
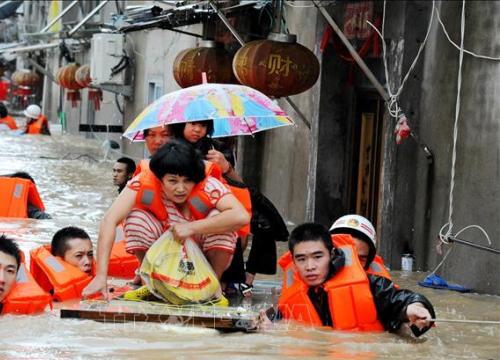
211, 142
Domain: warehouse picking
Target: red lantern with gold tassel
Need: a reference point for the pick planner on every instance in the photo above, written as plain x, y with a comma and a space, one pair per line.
82, 77
209, 58
66, 78
25, 80
277, 66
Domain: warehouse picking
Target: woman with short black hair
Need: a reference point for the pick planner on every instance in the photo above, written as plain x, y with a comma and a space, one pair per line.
160, 199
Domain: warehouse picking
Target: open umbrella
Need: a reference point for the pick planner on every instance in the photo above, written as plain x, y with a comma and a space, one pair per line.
234, 109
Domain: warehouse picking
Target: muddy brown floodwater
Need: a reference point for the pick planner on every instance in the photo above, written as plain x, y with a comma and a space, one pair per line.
77, 188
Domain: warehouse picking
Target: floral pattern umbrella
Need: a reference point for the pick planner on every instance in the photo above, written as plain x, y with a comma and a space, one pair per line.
234, 109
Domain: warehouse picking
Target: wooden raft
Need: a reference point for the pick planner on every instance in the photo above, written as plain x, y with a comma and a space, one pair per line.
118, 311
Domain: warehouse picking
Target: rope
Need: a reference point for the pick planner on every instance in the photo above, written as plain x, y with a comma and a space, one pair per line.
443, 236
465, 321
392, 103
455, 126
458, 47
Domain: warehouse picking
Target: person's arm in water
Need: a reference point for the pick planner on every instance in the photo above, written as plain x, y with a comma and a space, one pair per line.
36, 213
45, 129
396, 306
120, 208
232, 217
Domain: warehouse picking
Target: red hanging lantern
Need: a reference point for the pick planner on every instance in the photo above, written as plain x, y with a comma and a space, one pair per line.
277, 66
82, 77
25, 77
66, 79
209, 58
24, 81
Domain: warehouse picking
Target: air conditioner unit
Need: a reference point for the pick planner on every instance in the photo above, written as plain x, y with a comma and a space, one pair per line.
107, 56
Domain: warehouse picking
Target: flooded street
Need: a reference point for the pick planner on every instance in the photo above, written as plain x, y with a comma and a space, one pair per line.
76, 187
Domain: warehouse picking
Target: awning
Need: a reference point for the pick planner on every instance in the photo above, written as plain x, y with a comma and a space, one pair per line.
8, 8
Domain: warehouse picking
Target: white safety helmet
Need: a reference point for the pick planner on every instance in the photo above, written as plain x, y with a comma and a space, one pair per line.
359, 227
33, 111
358, 223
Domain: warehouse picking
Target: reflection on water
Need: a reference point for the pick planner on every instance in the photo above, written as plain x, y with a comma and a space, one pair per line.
77, 192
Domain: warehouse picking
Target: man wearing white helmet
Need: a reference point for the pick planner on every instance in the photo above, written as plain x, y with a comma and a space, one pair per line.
36, 122
363, 234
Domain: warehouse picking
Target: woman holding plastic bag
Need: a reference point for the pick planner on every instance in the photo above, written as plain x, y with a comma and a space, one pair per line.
174, 194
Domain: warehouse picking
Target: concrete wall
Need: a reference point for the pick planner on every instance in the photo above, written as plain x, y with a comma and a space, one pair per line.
477, 189
154, 53
278, 161
406, 27
53, 101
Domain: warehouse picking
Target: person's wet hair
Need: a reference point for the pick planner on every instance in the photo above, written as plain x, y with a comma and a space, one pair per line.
178, 158
22, 175
310, 232
178, 129
9, 247
129, 162
59, 244
3, 111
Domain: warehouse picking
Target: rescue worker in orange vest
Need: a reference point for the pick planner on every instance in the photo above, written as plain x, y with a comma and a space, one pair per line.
10, 260
73, 245
19, 292
174, 193
66, 267
36, 122
364, 237
332, 289
5, 119
154, 138
34, 210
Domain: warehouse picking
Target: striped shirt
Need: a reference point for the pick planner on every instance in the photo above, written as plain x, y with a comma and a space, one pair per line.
142, 228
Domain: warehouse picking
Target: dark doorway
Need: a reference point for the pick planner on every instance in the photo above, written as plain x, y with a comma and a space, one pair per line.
366, 157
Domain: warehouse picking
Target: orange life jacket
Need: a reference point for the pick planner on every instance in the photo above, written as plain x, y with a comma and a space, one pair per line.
149, 195
286, 261
350, 299
243, 196
377, 266
64, 281
36, 126
26, 297
121, 263
16, 193
144, 163
9, 121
